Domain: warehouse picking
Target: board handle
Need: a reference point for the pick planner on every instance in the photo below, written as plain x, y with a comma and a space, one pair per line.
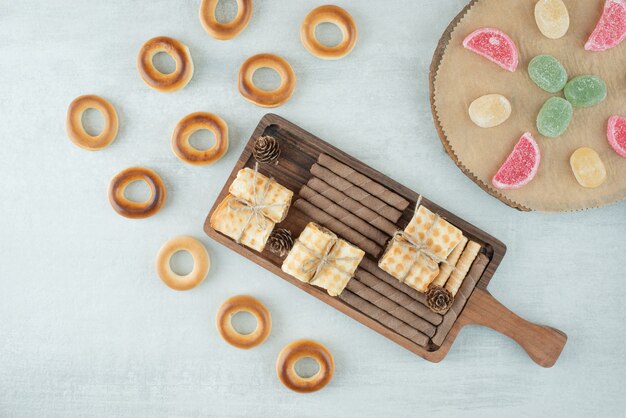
542, 343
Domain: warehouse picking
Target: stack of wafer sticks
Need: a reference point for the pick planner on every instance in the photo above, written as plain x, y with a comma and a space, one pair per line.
366, 213
351, 205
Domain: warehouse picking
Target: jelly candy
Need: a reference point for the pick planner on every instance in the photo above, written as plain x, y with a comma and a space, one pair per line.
611, 28
521, 166
490, 110
554, 117
548, 73
494, 45
588, 168
616, 134
585, 91
552, 18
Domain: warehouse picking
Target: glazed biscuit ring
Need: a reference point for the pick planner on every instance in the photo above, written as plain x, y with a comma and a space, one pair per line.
225, 31
243, 303
192, 123
152, 76
76, 130
328, 14
201, 263
129, 208
265, 98
297, 350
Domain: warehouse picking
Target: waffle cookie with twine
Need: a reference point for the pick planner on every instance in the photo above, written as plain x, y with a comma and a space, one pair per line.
252, 208
413, 255
320, 258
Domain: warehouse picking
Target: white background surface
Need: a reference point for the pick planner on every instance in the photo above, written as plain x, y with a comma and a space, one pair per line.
87, 328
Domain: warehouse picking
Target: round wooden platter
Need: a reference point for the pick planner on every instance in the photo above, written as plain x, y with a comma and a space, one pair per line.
581, 198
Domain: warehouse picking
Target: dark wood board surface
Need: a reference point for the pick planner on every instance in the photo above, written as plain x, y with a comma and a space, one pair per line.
299, 151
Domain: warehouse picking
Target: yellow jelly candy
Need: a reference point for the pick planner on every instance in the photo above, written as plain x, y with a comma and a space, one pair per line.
490, 110
588, 168
552, 18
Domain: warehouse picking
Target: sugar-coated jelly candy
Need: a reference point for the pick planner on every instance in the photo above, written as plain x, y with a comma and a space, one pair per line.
548, 73
521, 166
552, 18
494, 45
490, 110
611, 28
554, 117
616, 134
585, 90
588, 168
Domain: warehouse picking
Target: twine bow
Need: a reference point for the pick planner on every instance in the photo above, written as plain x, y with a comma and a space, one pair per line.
324, 259
423, 250
256, 207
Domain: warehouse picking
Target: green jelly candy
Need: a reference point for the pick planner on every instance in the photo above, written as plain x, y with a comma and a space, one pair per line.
548, 73
585, 91
554, 117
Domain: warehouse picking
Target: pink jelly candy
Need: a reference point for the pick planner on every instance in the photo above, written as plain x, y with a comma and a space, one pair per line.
521, 166
611, 29
616, 134
494, 45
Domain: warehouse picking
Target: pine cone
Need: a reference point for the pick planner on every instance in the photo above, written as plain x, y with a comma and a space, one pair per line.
280, 242
439, 299
266, 149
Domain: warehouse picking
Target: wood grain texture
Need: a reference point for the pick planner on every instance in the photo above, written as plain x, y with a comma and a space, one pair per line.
543, 344
299, 149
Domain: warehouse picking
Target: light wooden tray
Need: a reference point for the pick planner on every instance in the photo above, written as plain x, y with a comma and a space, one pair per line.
458, 76
299, 151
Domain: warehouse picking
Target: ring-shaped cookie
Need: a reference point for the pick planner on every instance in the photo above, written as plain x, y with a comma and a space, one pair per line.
243, 303
229, 30
201, 263
136, 210
267, 98
328, 14
74, 124
292, 353
192, 123
179, 52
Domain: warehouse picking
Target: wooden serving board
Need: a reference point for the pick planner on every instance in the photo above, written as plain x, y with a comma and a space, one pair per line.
299, 151
457, 77
434, 65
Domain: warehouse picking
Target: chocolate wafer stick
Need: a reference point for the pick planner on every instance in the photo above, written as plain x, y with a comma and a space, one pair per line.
356, 193
352, 205
338, 227
377, 314
461, 298
363, 182
397, 296
390, 307
343, 215
373, 268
